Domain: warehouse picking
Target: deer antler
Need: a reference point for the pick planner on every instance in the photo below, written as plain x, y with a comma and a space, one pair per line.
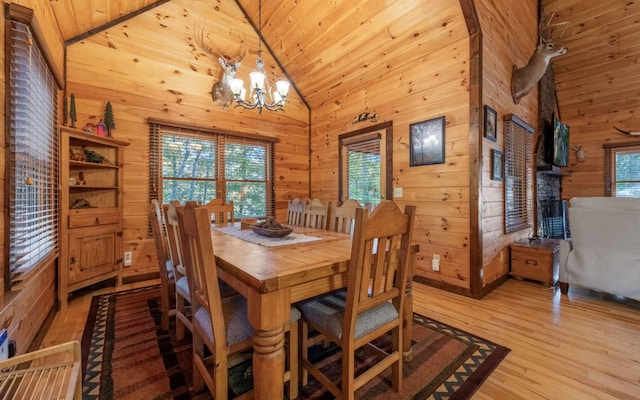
221, 92
627, 132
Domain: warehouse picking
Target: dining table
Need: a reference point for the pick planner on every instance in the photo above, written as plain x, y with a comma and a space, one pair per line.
275, 273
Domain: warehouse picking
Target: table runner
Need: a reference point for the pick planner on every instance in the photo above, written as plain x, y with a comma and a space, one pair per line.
250, 236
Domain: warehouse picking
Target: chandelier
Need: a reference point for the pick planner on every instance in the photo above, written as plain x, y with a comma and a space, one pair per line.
260, 96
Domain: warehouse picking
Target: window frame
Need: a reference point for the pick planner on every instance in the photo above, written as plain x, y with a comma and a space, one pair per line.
221, 137
385, 131
611, 151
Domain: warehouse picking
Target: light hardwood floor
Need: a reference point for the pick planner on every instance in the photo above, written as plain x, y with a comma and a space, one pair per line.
582, 346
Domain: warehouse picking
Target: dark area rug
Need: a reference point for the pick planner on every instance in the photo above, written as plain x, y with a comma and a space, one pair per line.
126, 355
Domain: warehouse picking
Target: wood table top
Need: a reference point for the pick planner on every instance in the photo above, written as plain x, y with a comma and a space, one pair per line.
267, 269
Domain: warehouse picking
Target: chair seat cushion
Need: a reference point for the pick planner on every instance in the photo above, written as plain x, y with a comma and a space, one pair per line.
328, 311
182, 287
235, 317
234, 310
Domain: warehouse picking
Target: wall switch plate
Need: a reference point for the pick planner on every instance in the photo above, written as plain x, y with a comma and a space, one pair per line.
397, 192
435, 262
127, 258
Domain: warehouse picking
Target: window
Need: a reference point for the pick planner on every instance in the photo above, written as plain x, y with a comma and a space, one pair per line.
622, 170
365, 167
190, 163
33, 157
517, 173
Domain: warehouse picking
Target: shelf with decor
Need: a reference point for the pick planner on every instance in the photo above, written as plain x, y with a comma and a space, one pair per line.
91, 176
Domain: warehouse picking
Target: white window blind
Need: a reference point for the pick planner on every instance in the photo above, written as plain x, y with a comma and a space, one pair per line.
517, 173
33, 164
362, 168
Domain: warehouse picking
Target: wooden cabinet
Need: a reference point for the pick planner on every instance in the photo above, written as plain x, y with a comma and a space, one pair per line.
536, 260
90, 211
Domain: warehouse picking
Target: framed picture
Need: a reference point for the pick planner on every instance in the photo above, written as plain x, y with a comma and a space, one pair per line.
427, 142
496, 165
490, 123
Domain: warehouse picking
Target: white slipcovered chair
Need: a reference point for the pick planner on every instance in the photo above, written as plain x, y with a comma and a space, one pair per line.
603, 253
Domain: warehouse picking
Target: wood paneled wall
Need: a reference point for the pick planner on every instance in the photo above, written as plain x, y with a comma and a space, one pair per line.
150, 66
22, 313
509, 38
431, 82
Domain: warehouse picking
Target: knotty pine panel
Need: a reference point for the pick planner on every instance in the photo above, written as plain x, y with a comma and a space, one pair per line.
502, 51
152, 72
428, 84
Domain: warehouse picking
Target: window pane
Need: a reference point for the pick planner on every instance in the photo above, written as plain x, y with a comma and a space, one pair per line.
363, 171
185, 190
249, 198
185, 157
245, 162
627, 189
627, 166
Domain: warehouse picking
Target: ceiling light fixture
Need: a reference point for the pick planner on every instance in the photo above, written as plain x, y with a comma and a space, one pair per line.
260, 96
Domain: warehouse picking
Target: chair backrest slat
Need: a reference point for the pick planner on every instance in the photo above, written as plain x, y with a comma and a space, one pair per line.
295, 212
160, 241
200, 263
317, 214
342, 217
379, 259
221, 213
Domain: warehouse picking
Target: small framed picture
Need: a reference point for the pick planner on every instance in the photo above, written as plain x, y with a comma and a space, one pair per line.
427, 142
496, 165
72, 181
490, 123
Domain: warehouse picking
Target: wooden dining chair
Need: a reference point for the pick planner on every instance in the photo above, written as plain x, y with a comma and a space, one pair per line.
182, 292
295, 212
316, 214
165, 263
221, 212
343, 217
372, 304
220, 323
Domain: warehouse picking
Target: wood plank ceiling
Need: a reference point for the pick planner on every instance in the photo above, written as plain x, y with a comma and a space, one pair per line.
321, 44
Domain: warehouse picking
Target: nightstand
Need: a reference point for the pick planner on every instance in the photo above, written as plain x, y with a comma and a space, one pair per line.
536, 260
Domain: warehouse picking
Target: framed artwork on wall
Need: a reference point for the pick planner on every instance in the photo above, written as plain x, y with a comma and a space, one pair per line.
497, 171
427, 142
490, 123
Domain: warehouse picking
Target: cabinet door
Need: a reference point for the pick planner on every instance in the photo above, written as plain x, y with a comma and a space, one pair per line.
92, 253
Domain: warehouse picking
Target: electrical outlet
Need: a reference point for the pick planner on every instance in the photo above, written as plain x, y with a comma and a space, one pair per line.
397, 192
127, 258
435, 262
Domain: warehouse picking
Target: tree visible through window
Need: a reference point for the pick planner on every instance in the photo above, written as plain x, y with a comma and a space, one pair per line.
365, 164
201, 166
622, 170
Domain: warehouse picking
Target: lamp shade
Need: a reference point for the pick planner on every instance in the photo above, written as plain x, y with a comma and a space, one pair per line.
257, 80
283, 88
236, 85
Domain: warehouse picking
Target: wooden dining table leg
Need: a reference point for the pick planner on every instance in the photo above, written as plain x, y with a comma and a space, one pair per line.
407, 312
268, 314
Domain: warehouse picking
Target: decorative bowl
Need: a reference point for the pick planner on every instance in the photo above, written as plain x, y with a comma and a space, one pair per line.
272, 233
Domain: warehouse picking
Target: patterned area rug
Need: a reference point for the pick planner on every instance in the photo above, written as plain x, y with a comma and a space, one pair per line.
128, 356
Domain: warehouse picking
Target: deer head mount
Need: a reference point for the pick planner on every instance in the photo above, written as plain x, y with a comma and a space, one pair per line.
221, 92
524, 79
